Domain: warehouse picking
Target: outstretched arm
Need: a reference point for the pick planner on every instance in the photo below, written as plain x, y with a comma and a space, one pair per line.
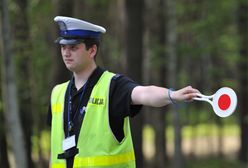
158, 96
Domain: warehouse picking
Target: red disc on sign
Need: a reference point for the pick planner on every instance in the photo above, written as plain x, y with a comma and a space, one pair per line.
224, 102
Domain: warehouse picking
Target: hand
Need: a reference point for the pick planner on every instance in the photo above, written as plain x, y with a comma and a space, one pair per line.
184, 94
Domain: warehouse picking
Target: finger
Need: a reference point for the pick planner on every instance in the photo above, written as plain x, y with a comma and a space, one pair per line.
190, 90
193, 90
190, 96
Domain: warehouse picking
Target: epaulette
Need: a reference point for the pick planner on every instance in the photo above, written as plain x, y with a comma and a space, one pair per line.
116, 76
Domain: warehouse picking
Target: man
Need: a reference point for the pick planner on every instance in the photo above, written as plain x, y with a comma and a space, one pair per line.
89, 114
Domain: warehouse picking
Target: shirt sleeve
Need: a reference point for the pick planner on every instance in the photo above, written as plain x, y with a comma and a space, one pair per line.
120, 97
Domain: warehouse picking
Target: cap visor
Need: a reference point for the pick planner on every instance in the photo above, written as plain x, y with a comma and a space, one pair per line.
67, 41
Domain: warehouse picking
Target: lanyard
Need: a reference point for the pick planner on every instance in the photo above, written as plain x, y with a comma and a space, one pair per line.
69, 110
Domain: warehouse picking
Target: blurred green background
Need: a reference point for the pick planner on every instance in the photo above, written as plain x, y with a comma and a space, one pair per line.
170, 43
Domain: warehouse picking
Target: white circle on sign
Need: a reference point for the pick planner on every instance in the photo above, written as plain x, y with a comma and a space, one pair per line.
224, 102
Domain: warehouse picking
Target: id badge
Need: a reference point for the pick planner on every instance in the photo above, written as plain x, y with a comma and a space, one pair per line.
69, 143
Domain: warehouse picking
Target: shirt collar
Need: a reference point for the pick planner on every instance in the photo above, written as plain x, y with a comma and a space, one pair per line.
92, 80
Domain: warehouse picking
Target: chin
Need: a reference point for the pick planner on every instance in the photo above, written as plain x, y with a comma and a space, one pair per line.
69, 68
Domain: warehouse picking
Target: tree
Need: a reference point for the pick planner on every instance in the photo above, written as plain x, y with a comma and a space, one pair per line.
23, 54
133, 51
3, 139
60, 73
243, 76
11, 109
171, 46
160, 114
3, 142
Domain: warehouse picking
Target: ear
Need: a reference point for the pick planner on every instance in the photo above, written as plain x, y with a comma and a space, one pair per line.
93, 51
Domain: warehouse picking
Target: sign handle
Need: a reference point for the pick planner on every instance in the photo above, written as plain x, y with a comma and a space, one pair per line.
201, 97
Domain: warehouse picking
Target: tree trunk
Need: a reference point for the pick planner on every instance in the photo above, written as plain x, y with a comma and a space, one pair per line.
171, 28
243, 78
23, 54
11, 109
160, 140
60, 73
160, 135
133, 49
4, 162
155, 39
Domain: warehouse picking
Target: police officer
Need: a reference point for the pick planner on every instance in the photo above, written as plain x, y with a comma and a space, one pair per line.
89, 114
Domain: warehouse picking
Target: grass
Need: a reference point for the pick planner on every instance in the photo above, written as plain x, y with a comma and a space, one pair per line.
188, 133
211, 162
200, 130
202, 135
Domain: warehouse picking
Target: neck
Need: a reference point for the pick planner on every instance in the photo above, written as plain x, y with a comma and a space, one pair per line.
82, 76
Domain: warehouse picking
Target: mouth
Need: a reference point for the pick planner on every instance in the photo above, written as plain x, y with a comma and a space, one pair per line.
68, 60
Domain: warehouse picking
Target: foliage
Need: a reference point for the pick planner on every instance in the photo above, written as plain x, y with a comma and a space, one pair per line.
207, 28
207, 49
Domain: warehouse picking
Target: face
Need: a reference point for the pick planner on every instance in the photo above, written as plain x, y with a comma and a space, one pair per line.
76, 57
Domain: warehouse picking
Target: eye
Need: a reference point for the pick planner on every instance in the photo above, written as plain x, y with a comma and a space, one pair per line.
71, 47
74, 47
62, 46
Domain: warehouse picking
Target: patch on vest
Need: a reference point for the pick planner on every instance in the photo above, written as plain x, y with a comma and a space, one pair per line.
96, 101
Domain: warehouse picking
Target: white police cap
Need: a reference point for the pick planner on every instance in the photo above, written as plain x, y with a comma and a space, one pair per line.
73, 30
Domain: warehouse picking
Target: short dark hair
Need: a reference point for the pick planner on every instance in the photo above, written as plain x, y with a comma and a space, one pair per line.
89, 42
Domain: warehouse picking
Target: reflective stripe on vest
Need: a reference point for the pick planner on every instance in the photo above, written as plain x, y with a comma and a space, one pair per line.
96, 142
104, 160
58, 165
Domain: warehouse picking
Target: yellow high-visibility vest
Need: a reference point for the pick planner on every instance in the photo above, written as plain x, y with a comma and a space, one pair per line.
98, 148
